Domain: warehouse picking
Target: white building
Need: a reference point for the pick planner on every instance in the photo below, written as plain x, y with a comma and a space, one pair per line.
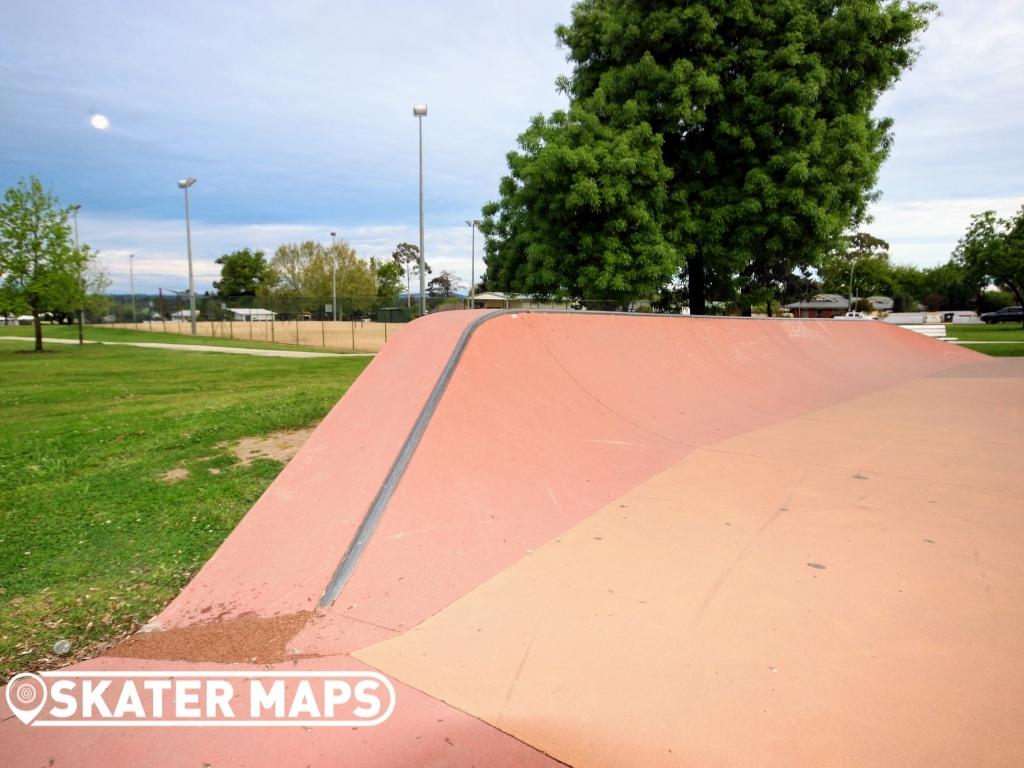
255, 315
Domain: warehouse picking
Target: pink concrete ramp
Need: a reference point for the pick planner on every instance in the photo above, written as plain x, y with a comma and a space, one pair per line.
599, 539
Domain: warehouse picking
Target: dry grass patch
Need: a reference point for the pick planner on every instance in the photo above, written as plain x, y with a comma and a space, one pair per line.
175, 475
279, 446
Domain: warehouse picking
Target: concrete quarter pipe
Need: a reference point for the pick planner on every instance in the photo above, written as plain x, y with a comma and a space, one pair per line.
599, 539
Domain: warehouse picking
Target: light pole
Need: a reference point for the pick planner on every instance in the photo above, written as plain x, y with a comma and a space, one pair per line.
81, 282
420, 111
473, 224
853, 260
185, 184
334, 280
131, 282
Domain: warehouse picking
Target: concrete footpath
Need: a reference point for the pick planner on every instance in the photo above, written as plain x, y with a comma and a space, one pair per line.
200, 348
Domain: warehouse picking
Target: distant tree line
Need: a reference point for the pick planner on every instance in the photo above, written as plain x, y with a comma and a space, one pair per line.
307, 276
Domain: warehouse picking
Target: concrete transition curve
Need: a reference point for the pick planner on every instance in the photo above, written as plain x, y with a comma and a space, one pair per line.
602, 539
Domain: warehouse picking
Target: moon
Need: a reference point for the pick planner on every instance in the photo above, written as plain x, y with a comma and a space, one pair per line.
100, 122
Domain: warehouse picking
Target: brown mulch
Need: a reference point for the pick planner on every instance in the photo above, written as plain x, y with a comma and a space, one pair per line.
245, 639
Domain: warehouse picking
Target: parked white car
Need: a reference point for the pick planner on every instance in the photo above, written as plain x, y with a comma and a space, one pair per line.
853, 316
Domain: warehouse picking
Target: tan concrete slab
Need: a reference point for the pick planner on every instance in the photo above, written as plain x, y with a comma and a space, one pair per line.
840, 589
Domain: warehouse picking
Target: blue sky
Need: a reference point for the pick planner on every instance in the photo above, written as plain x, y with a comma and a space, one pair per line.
297, 119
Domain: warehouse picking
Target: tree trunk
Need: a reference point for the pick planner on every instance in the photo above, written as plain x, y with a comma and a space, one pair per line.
769, 307
38, 325
695, 269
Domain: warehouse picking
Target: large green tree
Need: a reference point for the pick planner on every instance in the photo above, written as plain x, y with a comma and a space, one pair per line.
764, 112
992, 251
580, 209
243, 273
40, 268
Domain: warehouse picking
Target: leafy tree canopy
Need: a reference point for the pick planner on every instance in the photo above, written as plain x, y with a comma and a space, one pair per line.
760, 115
40, 267
444, 285
866, 258
388, 276
992, 251
243, 273
579, 212
308, 273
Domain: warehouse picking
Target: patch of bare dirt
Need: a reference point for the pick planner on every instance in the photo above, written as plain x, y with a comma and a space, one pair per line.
245, 639
175, 475
280, 446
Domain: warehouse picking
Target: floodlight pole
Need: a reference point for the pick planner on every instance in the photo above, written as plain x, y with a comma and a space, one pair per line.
81, 279
131, 281
185, 184
852, 262
473, 224
420, 111
334, 281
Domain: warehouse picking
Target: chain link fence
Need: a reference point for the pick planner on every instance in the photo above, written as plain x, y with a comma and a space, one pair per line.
349, 323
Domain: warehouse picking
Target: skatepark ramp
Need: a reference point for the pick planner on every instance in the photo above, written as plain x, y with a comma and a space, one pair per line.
596, 539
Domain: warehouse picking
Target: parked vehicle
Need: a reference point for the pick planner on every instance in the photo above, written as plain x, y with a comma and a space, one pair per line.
853, 316
1005, 315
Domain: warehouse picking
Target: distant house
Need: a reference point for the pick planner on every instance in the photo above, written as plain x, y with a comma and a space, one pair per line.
822, 305
880, 303
499, 300
256, 315
183, 314
496, 300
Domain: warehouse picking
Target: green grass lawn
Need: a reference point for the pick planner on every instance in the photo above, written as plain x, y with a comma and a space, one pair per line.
1004, 332
92, 541
95, 333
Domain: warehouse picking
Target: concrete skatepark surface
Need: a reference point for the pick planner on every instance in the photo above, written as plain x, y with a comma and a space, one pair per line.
630, 539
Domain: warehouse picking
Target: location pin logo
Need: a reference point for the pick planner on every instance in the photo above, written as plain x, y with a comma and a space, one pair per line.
26, 695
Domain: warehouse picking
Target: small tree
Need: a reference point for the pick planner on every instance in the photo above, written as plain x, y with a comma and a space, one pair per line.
444, 285
407, 257
243, 273
40, 268
388, 278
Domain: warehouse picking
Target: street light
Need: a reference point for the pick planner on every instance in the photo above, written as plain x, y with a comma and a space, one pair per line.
131, 282
473, 224
853, 260
185, 184
81, 306
420, 111
334, 280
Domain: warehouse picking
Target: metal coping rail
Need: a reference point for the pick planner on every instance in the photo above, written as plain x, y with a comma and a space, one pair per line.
380, 502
